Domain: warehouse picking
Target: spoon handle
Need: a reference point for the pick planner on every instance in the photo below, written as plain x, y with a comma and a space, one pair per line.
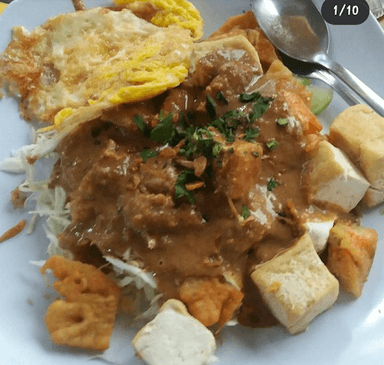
362, 90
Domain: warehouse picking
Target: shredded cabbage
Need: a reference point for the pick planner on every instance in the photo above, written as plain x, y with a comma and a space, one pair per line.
51, 204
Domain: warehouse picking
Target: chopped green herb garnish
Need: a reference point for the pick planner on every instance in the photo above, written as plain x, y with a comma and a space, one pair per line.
228, 123
251, 134
211, 107
246, 98
245, 212
272, 144
256, 154
260, 107
271, 184
180, 189
282, 121
220, 96
199, 140
165, 130
230, 150
147, 153
216, 149
139, 121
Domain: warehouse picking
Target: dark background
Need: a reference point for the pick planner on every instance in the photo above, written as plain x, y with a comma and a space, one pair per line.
5, 1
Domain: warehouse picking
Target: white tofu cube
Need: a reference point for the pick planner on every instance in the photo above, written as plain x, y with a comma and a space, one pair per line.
174, 337
359, 132
296, 285
318, 230
332, 179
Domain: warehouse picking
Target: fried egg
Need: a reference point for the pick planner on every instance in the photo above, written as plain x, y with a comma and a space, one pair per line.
180, 12
96, 58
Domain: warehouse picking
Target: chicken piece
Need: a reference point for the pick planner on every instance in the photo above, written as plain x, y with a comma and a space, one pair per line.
350, 255
240, 167
210, 301
86, 317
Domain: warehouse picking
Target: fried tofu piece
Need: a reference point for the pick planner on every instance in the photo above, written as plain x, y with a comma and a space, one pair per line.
240, 168
359, 132
210, 301
86, 317
350, 255
174, 337
332, 180
236, 47
246, 25
296, 285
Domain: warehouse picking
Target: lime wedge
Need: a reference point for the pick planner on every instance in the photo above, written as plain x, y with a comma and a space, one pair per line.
304, 80
321, 98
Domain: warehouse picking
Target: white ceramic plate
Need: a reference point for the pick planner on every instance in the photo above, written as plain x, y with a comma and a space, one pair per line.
351, 332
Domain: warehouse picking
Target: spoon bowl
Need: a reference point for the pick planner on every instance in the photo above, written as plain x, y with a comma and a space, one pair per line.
297, 28
293, 27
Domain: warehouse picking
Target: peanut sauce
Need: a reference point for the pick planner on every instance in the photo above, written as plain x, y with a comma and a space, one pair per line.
119, 202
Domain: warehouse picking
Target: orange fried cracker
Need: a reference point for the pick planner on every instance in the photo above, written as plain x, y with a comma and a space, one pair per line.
210, 301
86, 317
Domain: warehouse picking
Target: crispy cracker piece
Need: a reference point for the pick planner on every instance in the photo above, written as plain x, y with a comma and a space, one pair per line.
86, 317
350, 255
14, 231
210, 301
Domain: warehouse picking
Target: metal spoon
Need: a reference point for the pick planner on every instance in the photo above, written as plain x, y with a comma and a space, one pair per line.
311, 71
298, 29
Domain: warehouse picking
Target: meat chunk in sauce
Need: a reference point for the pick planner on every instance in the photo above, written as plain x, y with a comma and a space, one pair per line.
239, 170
